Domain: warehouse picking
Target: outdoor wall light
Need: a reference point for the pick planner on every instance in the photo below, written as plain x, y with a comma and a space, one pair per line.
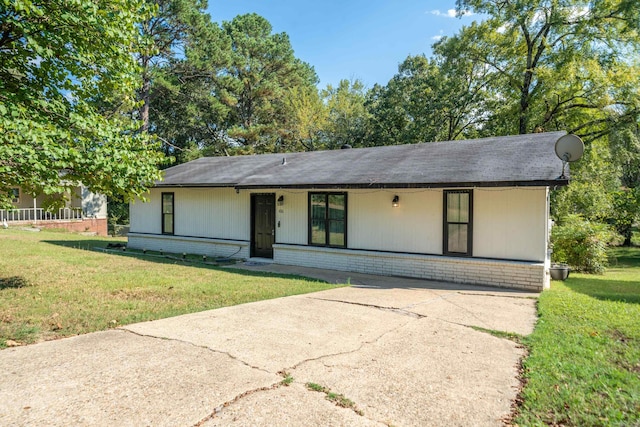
281, 200
396, 201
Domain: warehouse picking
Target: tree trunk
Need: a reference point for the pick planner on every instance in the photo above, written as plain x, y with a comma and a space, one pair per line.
145, 94
523, 120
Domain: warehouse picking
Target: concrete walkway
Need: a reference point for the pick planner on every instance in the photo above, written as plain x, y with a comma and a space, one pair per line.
398, 351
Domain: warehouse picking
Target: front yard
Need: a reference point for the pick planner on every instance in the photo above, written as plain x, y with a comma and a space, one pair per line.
51, 286
584, 363
583, 367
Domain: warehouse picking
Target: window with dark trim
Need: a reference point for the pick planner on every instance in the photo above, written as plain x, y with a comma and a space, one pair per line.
458, 222
328, 219
15, 195
167, 213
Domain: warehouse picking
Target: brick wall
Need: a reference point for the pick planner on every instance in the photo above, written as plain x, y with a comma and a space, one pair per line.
506, 274
192, 245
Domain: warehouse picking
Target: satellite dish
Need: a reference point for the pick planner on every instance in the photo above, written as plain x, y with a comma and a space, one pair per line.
569, 148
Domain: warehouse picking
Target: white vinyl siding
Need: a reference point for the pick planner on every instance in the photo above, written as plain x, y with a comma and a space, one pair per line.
510, 223
292, 222
414, 226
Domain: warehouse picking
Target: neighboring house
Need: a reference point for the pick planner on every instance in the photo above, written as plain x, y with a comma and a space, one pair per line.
473, 211
84, 211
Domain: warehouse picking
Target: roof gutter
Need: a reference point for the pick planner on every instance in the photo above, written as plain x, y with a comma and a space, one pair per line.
537, 183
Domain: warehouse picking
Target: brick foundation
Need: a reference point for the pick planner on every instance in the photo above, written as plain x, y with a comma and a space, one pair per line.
193, 245
477, 271
531, 276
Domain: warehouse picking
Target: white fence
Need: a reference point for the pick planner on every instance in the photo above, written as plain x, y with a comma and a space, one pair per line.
39, 214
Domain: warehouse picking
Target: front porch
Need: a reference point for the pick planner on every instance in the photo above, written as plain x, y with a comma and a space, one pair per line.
34, 215
84, 211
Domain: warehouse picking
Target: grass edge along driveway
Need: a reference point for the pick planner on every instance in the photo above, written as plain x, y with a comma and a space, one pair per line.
51, 286
583, 367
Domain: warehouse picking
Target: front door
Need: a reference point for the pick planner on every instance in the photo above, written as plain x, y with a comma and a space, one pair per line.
263, 225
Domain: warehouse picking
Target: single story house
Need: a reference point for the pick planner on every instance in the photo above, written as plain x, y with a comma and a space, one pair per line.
83, 211
473, 211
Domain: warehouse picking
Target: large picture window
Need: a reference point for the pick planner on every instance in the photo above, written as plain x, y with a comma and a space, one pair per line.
458, 215
328, 219
167, 213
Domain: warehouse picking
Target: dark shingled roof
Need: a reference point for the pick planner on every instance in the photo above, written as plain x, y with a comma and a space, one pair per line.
522, 160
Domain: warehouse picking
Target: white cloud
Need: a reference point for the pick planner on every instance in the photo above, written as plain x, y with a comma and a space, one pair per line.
503, 28
438, 37
450, 13
539, 16
578, 12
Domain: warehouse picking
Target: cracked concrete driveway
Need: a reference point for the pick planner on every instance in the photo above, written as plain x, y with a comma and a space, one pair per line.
389, 351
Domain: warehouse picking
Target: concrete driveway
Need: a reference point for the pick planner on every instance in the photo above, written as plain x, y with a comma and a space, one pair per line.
389, 351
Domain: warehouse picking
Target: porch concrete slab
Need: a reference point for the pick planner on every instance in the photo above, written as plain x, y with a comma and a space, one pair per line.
373, 281
278, 334
510, 313
507, 314
293, 405
427, 373
482, 306
118, 378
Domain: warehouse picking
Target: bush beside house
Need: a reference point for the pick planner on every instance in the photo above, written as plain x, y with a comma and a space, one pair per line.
582, 244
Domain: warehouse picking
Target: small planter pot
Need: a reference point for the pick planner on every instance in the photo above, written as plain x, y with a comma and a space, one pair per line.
559, 271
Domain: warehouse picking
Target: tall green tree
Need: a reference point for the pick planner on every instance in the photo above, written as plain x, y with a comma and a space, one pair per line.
308, 119
558, 64
407, 109
68, 81
186, 112
255, 85
439, 99
348, 117
594, 181
624, 145
165, 34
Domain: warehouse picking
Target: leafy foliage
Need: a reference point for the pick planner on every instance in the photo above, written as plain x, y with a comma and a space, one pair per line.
348, 118
67, 80
581, 244
261, 71
594, 180
309, 119
558, 64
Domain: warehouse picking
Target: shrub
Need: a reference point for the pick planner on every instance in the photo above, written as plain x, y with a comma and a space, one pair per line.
581, 243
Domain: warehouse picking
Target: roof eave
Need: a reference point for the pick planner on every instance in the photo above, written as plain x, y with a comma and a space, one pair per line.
536, 183
193, 185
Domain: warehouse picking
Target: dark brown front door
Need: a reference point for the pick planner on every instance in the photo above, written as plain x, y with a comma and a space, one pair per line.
263, 225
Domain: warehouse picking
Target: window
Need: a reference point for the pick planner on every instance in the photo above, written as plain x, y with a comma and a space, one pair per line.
328, 219
15, 195
458, 224
167, 213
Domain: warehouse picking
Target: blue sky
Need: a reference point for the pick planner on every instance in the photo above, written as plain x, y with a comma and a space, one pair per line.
347, 39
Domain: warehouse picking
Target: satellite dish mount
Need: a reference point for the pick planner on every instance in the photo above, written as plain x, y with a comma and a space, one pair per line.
569, 148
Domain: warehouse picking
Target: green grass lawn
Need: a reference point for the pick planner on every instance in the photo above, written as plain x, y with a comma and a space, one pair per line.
51, 286
584, 362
